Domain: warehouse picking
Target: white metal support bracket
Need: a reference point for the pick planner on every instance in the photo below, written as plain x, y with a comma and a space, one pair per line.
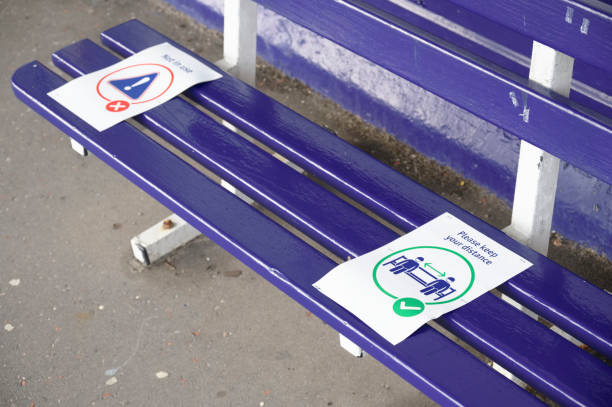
162, 238
536, 178
350, 346
537, 173
239, 57
240, 39
78, 147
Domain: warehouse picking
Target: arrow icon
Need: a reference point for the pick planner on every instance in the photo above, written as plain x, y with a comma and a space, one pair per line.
431, 267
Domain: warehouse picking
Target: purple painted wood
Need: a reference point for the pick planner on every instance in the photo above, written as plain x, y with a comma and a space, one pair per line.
527, 348
582, 29
571, 303
267, 180
554, 123
508, 49
237, 227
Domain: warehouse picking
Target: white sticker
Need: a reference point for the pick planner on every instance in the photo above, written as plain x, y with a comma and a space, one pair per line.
428, 272
136, 84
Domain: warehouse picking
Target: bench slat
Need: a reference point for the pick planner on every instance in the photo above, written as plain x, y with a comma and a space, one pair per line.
265, 179
511, 50
476, 86
235, 226
574, 305
576, 28
523, 346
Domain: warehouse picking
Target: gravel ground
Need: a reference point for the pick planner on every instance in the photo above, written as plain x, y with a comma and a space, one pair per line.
84, 325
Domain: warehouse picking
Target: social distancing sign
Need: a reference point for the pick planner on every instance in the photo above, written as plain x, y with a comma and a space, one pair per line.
428, 272
133, 86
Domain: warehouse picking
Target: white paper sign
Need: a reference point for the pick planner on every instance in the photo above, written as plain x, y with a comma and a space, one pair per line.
428, 272
136, 84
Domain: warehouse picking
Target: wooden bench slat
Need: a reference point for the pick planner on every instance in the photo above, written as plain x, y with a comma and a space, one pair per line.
237, 227
582, 29
523, 346
575, 305
263, 178
500, 45
476, 86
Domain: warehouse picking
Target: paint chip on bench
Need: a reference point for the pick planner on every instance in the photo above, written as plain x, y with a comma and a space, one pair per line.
420, 276
132, 86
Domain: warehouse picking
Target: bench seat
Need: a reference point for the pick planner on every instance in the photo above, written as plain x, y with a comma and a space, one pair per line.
382, 190
238, 228
523, 346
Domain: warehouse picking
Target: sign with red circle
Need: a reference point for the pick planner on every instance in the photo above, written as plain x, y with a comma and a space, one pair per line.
132, 86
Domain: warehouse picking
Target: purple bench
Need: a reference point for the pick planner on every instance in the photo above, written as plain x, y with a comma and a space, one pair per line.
528, 349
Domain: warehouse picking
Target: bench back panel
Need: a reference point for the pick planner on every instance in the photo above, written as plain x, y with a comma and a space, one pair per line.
582, 29
546, 120
498, 44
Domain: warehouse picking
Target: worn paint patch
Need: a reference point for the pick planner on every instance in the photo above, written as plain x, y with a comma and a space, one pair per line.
513, 99
584, 27
569, 15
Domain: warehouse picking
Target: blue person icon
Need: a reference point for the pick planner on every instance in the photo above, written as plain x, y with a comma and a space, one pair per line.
438, 286
405, 265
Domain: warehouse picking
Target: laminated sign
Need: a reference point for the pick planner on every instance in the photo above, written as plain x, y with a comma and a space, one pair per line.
428, 272
130, 87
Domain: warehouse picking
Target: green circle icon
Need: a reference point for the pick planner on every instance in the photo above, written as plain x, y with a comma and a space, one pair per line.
408, 307
444, 249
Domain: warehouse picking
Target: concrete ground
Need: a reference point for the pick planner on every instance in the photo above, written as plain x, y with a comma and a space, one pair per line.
91, 327
82, 313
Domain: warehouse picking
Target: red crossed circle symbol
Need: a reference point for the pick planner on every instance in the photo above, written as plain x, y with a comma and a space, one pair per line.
117, 106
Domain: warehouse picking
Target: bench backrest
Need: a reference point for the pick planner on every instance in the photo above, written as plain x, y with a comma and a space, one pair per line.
581, 29
575, 133
488, 33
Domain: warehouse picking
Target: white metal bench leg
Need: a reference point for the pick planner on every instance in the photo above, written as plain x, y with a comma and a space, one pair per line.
536, 180
534, 197
162, 238
240, 39
78, 147
350, 346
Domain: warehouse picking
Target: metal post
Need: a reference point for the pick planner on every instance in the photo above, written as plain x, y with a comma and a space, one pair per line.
350, 346
537, 173
239, 57
536, 180
76, 146
240, 39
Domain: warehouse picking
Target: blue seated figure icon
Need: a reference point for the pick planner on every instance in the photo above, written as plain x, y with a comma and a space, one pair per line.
441, 287
404, 265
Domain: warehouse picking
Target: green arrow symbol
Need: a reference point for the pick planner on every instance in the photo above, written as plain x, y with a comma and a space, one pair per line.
431, 267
